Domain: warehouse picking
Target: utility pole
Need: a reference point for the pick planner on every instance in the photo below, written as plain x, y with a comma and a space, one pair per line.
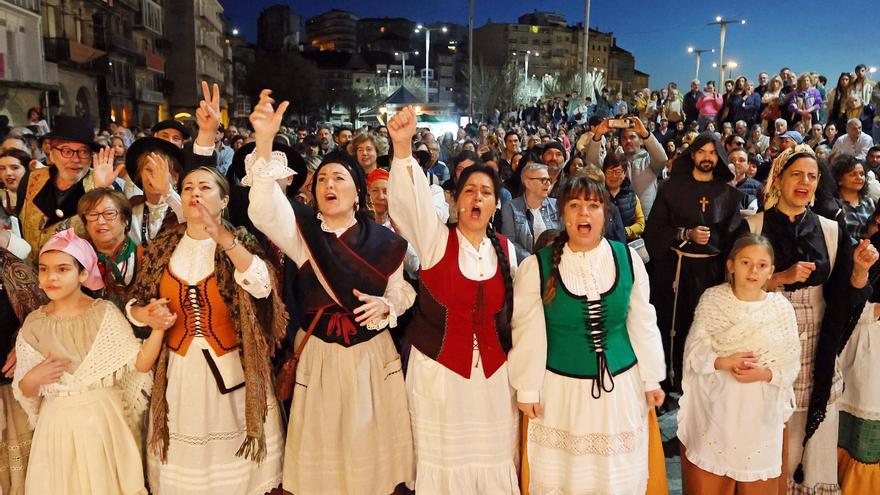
471, 63
586, 49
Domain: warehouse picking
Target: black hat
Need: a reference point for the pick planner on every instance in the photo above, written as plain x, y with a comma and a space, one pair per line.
295, 161
553, 144
356, 171
150, 144
69, 128
171, 124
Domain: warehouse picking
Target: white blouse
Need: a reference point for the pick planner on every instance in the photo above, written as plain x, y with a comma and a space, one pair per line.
410, 205
584, 274
271, 212
155, 216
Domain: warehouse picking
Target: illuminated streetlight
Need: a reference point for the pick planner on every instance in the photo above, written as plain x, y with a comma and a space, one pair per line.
420, 28
699, 52
235, 31
723, 23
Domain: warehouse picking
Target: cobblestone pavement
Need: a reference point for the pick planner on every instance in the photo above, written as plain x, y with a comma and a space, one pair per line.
668, 426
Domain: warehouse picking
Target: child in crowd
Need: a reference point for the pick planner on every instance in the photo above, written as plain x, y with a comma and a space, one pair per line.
81, 376
740, 360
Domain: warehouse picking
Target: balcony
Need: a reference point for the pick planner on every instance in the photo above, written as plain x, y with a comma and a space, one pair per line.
133, 4
120, 43
150, 96
32, 5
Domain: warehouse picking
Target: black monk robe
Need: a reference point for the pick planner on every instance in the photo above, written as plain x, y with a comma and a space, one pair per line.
683, 203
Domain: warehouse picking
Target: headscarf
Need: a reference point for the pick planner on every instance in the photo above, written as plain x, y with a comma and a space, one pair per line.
376, 175
68, 242
357, 174
773, 189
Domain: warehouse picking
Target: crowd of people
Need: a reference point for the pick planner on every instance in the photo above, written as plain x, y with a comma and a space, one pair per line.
200, 309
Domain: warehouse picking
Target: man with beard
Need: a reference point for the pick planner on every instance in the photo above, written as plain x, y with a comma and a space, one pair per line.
644, 164
693, 225
324, 140
691, 112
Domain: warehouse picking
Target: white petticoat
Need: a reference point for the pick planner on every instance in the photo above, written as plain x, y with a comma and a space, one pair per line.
206, 429
465, 430
583, 445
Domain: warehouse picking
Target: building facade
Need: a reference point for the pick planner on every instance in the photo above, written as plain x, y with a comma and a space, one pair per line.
26, 80
332, 30
198, 52
278, 28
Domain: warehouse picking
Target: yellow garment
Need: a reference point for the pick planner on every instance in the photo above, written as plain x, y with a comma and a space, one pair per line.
635, 230
856, 478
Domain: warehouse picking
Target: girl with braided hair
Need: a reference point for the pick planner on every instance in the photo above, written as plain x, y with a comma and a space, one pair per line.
587, 357
826, 281
464, 418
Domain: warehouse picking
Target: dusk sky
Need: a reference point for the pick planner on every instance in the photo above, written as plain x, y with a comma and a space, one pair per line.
804, 35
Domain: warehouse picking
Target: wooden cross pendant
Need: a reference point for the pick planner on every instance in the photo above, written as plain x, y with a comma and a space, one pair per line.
703, 203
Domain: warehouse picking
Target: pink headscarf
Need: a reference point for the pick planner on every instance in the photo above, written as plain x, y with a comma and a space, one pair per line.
68, 242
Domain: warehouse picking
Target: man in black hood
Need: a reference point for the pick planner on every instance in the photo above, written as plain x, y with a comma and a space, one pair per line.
692, 227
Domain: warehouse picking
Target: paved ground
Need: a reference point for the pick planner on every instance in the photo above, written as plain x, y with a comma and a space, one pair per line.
668, 426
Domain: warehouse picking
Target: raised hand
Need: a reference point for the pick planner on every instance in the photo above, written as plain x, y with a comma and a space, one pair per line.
374, 307
401, 128
158, 174
864, 256
213, 227
103, 170
638, 126
266, 121
208, 114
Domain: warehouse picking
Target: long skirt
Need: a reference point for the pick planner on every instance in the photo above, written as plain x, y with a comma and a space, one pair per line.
583, 445
206, 429
82, 445
859, 443
15, 444
465, 429
349, 424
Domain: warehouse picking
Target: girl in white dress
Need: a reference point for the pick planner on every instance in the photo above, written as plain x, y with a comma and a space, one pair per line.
741, 358
587, 359
81, 377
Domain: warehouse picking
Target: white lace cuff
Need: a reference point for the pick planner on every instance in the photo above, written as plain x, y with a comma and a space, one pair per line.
389, 321
275, 168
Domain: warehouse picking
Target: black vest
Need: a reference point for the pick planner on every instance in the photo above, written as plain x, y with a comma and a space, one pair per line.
626, 203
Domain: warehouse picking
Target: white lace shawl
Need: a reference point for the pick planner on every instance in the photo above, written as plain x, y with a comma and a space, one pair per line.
109, 363
767, 328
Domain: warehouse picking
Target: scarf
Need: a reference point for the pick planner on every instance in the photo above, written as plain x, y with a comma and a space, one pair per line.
262, 324
20, 282
115, 289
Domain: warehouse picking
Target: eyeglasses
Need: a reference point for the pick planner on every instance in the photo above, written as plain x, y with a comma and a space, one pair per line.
83, 153
544, 180
739, 143
615, 172
109, 215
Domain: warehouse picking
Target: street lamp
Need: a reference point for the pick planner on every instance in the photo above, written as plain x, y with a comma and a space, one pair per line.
427, 31
699, 52
872, 70
402, 56
723, 23
235, 31
729, 66
526, 53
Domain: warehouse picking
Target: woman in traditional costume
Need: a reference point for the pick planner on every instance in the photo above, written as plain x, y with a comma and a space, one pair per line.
349, 425
826, 281
215, 426
587, 394
463, 413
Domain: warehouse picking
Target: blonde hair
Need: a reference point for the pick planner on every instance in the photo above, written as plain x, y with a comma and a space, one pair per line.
743, 242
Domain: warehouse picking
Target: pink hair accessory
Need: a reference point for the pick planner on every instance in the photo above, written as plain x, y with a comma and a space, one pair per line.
68, 242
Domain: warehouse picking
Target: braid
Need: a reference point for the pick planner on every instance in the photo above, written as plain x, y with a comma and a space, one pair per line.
504, 263
558, 244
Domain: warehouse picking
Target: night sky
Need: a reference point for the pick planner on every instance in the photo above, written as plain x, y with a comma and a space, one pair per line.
828, 37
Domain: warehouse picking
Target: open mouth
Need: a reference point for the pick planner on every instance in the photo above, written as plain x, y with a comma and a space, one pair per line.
476, 211
330, 197
584, 228
801, 191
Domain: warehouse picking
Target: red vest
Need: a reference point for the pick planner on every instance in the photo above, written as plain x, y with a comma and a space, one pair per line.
454, 309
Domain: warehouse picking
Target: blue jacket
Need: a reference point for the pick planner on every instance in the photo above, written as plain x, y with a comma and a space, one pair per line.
517, 223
